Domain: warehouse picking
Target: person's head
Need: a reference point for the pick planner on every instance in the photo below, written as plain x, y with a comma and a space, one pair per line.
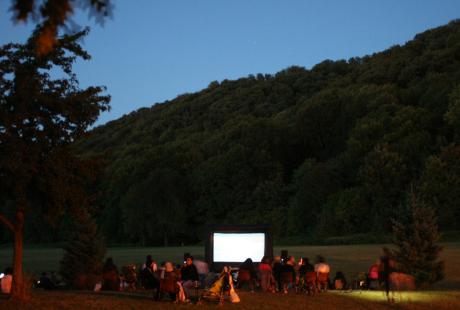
305, 261
320, 259
109, 261
169, 267
148, 260
265, 260
8, 271
154, 266
248, 261
290, 260
277, 259
189, 261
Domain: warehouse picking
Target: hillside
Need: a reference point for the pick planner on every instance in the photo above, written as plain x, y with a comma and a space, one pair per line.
321, 152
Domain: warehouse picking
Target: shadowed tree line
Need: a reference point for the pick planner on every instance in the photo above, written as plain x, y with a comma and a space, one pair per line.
322, 152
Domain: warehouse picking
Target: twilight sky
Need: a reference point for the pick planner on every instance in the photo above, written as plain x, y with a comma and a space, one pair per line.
154, 50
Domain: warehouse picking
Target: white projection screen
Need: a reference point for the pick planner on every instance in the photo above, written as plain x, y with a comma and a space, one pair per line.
237, 247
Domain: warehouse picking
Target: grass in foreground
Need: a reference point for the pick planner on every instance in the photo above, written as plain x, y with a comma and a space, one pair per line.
330, 300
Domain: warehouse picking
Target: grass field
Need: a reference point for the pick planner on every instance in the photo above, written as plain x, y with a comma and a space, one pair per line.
350, 259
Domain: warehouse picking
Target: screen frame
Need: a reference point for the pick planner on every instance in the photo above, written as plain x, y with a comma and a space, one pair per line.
236, 229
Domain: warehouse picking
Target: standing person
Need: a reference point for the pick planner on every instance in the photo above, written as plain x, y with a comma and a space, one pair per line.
7, 280
385, 268
277, 266
110, 277
189, 276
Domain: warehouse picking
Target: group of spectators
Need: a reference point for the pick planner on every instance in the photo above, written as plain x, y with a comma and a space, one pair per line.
180, 282
175, 282
281, 274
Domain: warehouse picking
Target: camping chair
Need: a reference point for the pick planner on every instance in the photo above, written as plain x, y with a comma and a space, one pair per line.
287, 280
322, 281
245, 277
129, 276
218, 289
310, 282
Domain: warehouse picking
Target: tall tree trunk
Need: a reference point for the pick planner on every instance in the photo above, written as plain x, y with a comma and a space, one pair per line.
18, 290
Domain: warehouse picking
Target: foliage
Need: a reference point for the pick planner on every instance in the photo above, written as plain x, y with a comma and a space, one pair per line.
50, 15
81, 264
415, 234
40, 116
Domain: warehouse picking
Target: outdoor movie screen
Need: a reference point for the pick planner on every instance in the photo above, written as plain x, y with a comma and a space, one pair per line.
237, 247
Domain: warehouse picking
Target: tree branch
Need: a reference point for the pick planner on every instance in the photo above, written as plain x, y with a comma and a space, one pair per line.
7, 222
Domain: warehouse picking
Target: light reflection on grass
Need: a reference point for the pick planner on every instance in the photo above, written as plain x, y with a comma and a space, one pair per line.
404, 297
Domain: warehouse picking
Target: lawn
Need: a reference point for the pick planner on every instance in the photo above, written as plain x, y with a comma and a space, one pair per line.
350, 259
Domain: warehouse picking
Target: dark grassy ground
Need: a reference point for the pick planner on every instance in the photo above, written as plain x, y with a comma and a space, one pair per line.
329, 300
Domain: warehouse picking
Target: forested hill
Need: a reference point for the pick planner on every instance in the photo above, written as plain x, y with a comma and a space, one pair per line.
329, 151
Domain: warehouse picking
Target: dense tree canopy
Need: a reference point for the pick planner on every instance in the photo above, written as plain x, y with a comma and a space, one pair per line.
320, 152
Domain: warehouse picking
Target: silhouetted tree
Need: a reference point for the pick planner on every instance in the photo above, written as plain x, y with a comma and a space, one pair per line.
81, 265
39, 117
415, 234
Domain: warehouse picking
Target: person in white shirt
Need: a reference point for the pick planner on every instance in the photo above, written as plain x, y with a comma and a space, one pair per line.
321, 266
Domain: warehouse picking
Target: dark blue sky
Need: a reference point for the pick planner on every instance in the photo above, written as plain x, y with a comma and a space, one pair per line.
152, 51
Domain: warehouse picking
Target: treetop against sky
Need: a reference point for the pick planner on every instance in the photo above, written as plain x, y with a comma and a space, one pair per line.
152, 51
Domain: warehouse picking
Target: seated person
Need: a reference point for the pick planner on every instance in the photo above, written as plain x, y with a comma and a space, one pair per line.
340, 283
321, 266
267, 281
247, 274
276, 267
45, 282
288, 274
189, 276
373, 276
110, 276
7, 280
149, 277
322, 270
305, 267
169, 282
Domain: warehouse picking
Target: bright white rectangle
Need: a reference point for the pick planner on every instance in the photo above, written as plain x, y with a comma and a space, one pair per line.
237, 247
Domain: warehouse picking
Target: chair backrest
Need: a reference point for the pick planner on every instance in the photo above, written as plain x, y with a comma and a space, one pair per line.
322, 277
244, 275
287, 277
338, 284
310, 277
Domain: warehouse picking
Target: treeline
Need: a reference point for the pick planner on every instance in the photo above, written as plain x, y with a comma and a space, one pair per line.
322, 152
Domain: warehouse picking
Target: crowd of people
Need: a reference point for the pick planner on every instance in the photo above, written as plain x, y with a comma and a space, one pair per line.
181, 282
